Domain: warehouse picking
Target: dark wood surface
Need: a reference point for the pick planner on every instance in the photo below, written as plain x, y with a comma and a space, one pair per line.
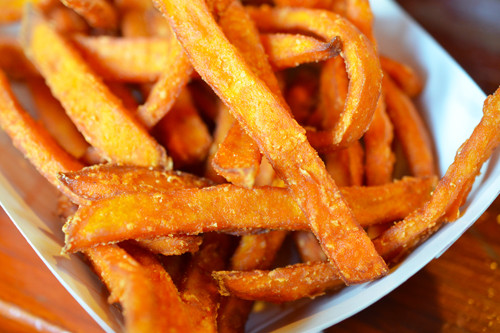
459, 292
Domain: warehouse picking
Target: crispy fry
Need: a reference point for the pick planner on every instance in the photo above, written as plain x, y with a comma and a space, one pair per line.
405, 76
410, 130
97, 113
379, 158
417, 226
291, 50
279, 136
105, 181
223, 122
308, 246
184, 133
165, 91
171, 246
142, 215
238, 157
280, 285
361, 62
263, 250
55, 119
346, 165
98, 13
33, 140
199, 290
137, 60
146, 292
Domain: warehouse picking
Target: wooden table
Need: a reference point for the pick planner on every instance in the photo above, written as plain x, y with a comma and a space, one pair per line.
459, 292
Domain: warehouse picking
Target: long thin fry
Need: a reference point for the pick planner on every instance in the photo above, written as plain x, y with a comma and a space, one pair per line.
281, 139
410, 130
417, 226
379, 158
171, 246
13, 61
55, 120
98, 114
33, 140
145, 214
281, 284
405, 76
291, 50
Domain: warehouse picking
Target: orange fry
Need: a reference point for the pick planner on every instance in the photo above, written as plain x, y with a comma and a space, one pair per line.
363, 67
98, 13
137, 60
405, 76
143, 215
238, 157
410, 130
283, 141
147, 294
308, 247
165, 91
99, 115
280, 285
170, 246
199, 290
257, 251
66, 21
184, 133
55, 120
291, 50
105, 181
417, 226
33, 140
379, 158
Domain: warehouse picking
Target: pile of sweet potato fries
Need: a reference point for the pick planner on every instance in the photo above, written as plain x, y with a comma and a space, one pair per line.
193, 137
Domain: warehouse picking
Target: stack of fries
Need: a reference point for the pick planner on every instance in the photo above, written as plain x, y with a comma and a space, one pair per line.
193, 137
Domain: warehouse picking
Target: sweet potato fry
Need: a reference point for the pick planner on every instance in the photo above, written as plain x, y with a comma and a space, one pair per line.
417, 226
165, 91
405, 76
147, 294
361, 62
282, 140
143, 215
184, 133
223, 123
55, 120
33, 140
379, 158
410, 130
199, 290
105, 181
308, 247
98, 114
280, 285
257, 251
133, 24
238, 157
98, 13
291, 50
170, 246
137, 60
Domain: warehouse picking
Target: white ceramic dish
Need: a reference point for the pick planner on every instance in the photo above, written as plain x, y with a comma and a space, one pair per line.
451, 104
